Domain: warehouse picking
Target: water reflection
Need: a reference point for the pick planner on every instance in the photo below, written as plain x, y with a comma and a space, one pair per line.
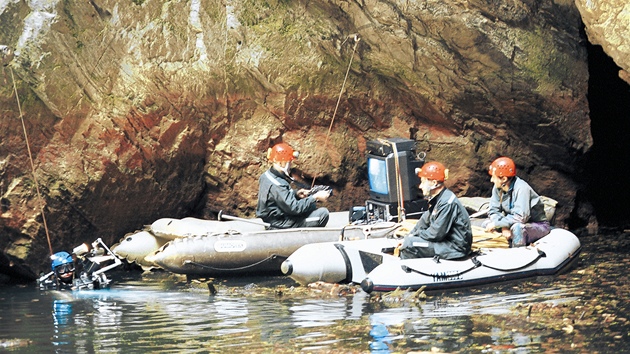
84, 321
380, 335
233, 315
315, 313
62, 312
447, 322
150, 316
158, 315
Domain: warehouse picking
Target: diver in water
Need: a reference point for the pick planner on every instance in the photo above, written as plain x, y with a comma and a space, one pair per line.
63, 267
81, 269
74, 272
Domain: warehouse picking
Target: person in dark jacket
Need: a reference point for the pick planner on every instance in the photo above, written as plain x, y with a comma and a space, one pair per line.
444, 230
280, 205
515, 209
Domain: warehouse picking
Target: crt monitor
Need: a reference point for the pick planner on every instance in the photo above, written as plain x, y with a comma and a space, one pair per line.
382, 176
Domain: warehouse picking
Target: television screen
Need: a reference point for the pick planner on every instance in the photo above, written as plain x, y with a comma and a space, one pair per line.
391, 163
383, 177
377, 176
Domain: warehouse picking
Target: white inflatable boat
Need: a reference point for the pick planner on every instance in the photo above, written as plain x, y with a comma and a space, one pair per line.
370, 263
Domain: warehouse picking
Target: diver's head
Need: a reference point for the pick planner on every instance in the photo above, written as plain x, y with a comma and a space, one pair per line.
63, 266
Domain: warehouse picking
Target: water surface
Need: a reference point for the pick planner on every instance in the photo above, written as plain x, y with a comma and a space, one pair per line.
584, 310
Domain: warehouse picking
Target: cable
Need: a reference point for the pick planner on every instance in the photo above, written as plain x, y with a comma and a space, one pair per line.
30, 156
354, 49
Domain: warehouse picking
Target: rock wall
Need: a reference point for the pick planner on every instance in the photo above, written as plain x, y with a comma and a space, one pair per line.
145, 109
608, 24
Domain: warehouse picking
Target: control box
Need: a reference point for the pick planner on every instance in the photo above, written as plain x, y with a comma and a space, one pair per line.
377, 211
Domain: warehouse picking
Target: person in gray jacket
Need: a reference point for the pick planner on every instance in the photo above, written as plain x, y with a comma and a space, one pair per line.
516, 209
444, 230
280, 205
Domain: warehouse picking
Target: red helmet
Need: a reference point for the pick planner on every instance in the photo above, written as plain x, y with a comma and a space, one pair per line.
433, 170
281, 153
502, 167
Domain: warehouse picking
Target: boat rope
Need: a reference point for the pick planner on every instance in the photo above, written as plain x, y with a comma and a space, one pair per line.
343, 85
444, 275
346, 260
272, 257
541, 254
476, 264
30, 157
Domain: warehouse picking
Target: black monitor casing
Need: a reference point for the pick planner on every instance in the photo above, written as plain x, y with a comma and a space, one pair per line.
408, 162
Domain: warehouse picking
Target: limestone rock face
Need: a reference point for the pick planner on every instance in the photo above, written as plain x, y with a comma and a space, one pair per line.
608, 24
144, 109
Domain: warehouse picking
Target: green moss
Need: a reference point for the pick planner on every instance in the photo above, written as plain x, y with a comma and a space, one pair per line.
11, 17
19, 251
215, 11
287, 33
252, 11
546, 63
68, 12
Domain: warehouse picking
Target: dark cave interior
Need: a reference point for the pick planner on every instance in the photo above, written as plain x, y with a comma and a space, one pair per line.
605, 165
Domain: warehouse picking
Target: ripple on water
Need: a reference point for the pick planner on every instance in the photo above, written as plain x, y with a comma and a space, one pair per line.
153, 315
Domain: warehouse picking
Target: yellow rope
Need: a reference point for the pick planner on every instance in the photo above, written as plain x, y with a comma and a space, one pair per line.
30, 156
481, 238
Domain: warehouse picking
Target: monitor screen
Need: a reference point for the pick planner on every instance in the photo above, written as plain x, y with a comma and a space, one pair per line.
377, 176
383, 177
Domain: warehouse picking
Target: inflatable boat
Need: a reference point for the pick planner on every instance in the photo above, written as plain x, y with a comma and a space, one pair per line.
547, 256
134, 247
238, 246
371, 264
255, 252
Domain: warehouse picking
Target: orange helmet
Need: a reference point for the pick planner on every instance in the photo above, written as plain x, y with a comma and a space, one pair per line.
281, 152
502, 167
433, 170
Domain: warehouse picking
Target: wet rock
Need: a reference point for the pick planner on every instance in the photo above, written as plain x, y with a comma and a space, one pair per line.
332, 289
606, 24
12, 344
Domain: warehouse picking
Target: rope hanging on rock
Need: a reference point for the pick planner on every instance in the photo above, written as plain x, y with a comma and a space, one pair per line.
30, 157
343, 85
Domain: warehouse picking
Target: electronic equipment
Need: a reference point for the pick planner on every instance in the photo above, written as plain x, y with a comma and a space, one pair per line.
393, 181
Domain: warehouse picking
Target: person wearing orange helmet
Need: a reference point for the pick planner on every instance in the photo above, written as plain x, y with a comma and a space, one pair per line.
515, 208
280, 205
444, 229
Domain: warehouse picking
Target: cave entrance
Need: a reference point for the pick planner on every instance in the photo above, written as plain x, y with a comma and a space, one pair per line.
606, 164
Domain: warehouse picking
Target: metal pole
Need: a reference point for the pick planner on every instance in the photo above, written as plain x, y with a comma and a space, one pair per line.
222, 216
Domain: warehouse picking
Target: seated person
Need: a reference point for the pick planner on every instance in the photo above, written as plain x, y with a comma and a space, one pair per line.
444, 229
515, 209
280, 205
